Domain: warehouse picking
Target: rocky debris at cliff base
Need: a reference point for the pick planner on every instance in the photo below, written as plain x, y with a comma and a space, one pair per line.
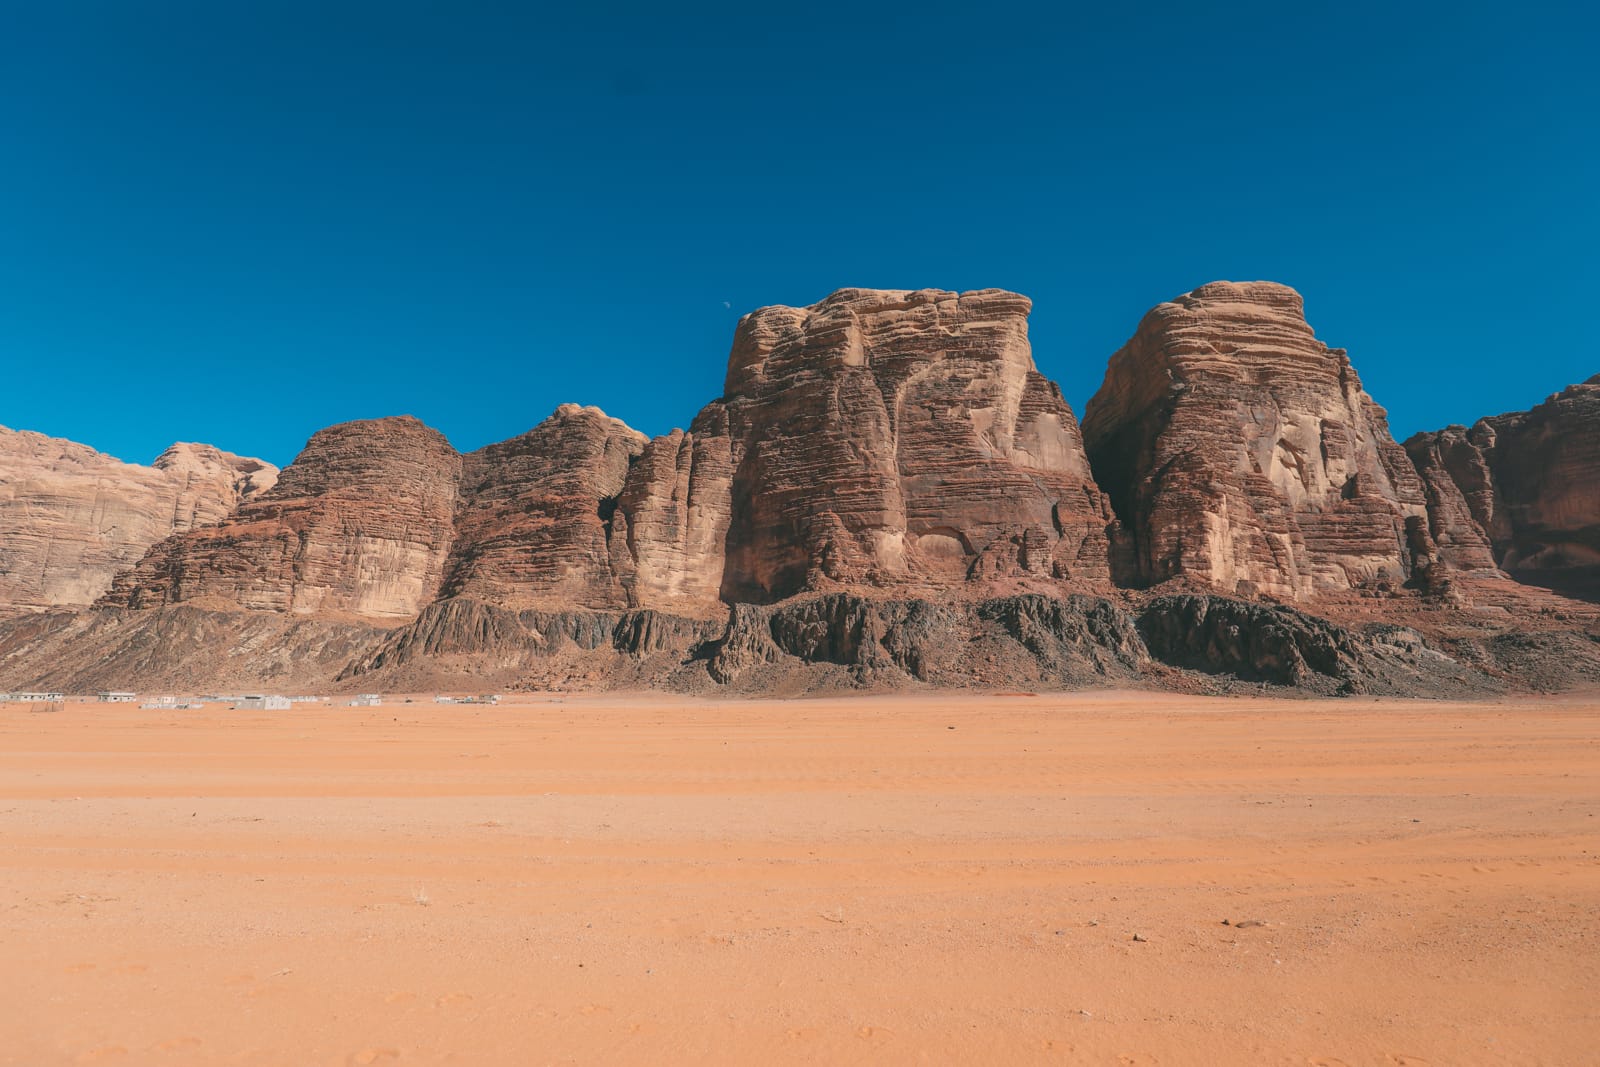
826, 643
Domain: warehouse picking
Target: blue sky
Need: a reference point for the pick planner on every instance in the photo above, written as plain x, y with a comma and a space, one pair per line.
240, 222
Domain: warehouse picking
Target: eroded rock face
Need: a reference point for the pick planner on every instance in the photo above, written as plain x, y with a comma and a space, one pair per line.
1244, 454
669, 531
1461, 497
1530, 479
534, 526
895, 439
71, 518
359, 524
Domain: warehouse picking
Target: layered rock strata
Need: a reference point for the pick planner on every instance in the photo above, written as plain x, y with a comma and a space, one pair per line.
1244, 455
360, 524
1530, 481
668, 535
897, 439
72, 518
1461, 497
534, 524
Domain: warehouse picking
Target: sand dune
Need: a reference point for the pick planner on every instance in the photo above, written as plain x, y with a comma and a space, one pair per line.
873, 880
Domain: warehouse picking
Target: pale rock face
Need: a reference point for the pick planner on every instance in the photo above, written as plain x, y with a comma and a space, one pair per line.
670, 527
900, 439
71, 518
1244, 454
1530, 479
358, 525
534, 525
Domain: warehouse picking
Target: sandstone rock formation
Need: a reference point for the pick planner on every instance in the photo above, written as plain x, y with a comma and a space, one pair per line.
887, 494
1530, 480
534, 523
1244, 455
886, 438
359, 524
1461, 497
669, 531
71, 518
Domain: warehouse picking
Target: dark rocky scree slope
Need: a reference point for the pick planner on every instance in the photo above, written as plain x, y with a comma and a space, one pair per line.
888, 494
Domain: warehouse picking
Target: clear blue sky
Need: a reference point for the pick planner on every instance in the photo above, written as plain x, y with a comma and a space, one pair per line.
239, 222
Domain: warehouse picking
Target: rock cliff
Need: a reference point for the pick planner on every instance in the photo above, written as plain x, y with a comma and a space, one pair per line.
902, 440
1244, 455
1461, 497
72, 518
359, 524
887, 494
669, 531
534, 522
1530, 480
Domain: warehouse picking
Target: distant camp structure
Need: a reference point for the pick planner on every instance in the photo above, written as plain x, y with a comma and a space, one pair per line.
31, 697
261, 702
171, 703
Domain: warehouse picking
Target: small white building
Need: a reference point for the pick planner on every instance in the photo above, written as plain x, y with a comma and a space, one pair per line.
116, 696
367, 700
259, 702
36, 698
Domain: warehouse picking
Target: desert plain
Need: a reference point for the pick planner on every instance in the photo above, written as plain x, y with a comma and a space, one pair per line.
1106, 878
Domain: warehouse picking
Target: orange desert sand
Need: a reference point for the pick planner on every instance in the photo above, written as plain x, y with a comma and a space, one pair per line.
910, 879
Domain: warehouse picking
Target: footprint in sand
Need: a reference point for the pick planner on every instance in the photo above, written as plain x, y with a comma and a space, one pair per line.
100, 1053
874, 1033
1399, 1059
452, 998
1327, 1061
804, 1033
369, 1056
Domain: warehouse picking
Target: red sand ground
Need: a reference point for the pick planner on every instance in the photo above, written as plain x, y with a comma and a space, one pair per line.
871, 880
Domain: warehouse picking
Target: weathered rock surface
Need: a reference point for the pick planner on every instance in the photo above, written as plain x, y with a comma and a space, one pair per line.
1254, 642
902, 441
808, 644
359, 524
1026, 639
72, 518
887, 495
492, 639
178, 649
668, 536
534, 525
1530, 480
1277, 645
1243, 454
1459, 489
